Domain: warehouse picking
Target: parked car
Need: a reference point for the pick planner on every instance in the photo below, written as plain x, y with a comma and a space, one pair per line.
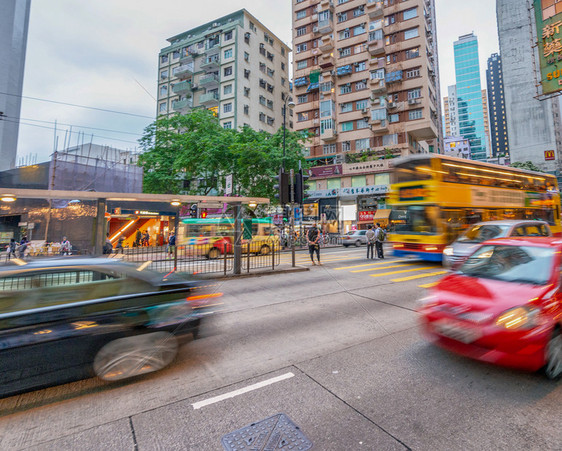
471, 239
503, 305
69, 319
354, 238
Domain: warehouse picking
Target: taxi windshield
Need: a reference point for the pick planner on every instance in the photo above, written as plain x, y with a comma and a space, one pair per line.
479, 233
520, 264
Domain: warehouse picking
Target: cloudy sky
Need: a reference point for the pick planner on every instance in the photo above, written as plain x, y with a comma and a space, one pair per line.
103, 54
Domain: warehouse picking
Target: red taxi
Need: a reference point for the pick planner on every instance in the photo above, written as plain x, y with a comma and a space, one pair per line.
503, 305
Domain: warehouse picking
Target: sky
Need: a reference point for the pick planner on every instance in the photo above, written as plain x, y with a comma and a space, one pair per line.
103, 54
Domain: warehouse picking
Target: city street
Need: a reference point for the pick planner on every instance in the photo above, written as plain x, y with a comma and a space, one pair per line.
336, 349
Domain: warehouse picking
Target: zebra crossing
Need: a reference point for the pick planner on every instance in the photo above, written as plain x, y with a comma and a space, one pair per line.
398, 270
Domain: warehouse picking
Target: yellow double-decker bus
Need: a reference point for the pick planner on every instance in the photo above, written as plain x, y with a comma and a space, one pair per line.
435, 197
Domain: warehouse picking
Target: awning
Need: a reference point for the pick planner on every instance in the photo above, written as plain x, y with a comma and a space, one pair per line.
312, 87
382, 213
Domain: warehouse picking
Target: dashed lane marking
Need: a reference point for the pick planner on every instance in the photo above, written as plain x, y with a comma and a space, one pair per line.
428, 285
366, 264
419, 276
385, 267
401, 271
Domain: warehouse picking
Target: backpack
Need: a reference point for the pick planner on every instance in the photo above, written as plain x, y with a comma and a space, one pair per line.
381, 235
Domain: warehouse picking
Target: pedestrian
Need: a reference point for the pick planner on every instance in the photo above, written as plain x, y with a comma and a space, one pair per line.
22, 247
107, 247
380, 236
119, 246
138, 238
371, 240
65, 246
12, 248
313, 237
145, 238
171, 243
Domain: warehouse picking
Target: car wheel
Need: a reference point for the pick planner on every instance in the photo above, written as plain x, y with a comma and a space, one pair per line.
132, 356
357, 243
553, 368
213, 253
265, 249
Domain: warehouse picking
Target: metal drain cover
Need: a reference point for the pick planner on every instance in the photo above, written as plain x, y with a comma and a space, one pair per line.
273, 433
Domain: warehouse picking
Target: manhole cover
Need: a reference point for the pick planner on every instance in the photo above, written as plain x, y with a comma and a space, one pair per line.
273, 433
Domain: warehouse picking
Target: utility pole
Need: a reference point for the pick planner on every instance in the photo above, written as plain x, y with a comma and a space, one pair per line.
292, 223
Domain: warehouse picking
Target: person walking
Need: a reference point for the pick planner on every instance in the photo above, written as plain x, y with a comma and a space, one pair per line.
313, 237
171, 243
119, 246
12, 248
380, 236
22, 247
138, 238
370, 235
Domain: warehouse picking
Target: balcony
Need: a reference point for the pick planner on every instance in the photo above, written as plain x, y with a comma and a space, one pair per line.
212, 49
179, 105
326, 61
394, 107
378, 86
209, 80
379, 126
326, 4
210, 64
183, 87
209, 98
325, 26
326, 44
375, 9
376, 47
184, 71
328, 134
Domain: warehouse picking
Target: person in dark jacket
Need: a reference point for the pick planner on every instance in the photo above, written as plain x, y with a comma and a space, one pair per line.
313, 239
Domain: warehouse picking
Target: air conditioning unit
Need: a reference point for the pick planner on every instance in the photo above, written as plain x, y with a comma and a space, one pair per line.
315, 29
364, 111
413, 101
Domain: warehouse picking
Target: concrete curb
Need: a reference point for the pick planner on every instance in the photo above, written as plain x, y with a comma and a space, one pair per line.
256, 273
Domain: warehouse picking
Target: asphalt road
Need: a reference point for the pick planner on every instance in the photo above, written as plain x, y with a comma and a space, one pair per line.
335, 349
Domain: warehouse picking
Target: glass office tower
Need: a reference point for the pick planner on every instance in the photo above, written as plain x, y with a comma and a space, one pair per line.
469, 95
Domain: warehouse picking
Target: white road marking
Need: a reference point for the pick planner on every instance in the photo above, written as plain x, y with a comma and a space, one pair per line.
241, 391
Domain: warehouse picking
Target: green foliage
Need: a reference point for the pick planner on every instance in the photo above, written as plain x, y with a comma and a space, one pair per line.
195, 148
526, 165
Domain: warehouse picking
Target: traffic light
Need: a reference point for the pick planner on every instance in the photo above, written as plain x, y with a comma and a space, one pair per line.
282, 187
193, 211
300, 187
203, 214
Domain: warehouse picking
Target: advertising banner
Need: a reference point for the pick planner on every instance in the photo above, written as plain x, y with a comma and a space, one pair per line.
548, 17
325, 171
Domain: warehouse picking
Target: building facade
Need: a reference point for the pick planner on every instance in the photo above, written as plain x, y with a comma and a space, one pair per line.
457, 146
451, 113
234, 66
496, 106
533, 126
14, 22
469, 95
365, 84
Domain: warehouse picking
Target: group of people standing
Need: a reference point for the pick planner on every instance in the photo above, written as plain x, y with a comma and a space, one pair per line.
375, 238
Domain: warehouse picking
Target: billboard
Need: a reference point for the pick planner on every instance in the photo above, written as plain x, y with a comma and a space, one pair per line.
548, 17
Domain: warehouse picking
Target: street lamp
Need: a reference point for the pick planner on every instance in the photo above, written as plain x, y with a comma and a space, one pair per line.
291, 105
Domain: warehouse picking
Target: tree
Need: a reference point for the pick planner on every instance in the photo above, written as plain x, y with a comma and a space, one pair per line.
195, 148
527, 165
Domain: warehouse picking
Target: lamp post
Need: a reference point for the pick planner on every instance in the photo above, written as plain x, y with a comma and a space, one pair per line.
291, 105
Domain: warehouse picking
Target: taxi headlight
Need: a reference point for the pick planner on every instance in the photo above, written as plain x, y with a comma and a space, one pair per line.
518, 318
448, 251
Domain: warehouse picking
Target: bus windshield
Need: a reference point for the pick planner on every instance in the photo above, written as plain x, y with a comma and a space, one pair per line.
415, 220
412, 171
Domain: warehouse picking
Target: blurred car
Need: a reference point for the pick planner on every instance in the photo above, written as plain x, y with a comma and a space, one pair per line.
503, 305
354, 238
471, 239
69, 319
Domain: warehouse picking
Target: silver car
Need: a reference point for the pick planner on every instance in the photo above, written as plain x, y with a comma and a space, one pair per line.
354, 238
467, 243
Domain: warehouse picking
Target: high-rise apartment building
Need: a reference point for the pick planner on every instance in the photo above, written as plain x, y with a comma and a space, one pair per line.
14, 21
533, 126
486, 122
496, 106
234, 66
469, 95
365, 84
451, 114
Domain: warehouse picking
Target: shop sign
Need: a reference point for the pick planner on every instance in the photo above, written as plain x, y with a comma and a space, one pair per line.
310, 209
366, 216
371, 189
497, 197
549, 155
411, 193
366, 167
549, 33
323, 193
325, 171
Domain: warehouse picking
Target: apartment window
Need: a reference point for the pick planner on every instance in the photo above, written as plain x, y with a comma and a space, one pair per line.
326, 108
270, 104
246, 92
228, 35
283, 51
362, 144
412, 53
342, 17
262, 100
247, 38
410, 13
302, 117
326, 124
361, 104
378, 74
282, 81
301, 14
164, 74
175, 54
252, 26
390, 140
362, 123
414, 93
246, 57
163, 90
326, 86
413, 73
282, 66
262, 117
345, 89
303, 98
227, 89
164, 59
362, 84
302, 64
346, 107
228, 53
344, 34
346, 146
262, 67
411, 33
415, 114
347, 126
246, 73
328, 149
345, 52
389, 20
393, 118
162, 107
301, 47
227, 125
227, 107
360, 66
301, 31
359, 29
359, 11
227, 71
246, 109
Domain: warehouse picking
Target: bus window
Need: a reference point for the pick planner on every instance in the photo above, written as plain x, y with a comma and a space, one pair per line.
412, 171
418, 220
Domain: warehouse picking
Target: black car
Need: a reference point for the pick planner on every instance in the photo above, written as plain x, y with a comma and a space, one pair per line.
69, 319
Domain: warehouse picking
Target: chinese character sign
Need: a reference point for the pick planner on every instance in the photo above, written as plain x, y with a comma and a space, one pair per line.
549, 34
